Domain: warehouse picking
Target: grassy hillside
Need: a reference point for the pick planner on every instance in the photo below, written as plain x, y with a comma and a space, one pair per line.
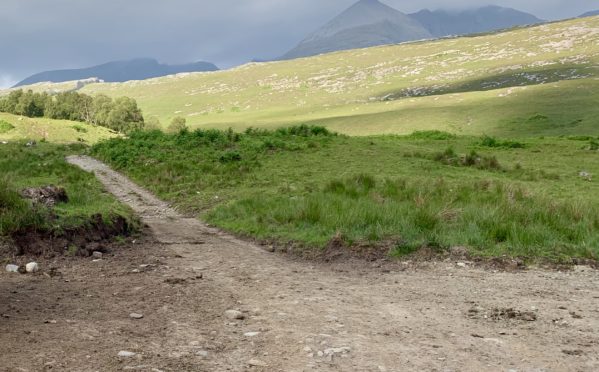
530, 198
534, 81
14, 128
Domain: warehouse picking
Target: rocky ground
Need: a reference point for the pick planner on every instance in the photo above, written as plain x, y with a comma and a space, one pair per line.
185, 297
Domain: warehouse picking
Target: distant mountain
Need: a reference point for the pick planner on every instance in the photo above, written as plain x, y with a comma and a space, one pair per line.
489, 18
370, 23
592, 13
120, 71
367, 23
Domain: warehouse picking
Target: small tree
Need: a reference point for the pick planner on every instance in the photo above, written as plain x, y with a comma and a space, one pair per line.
178, 124
125, 116
152, 123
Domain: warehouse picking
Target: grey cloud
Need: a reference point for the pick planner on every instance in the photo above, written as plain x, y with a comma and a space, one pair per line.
50, 34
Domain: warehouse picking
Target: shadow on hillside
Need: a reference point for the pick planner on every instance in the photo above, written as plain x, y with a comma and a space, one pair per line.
519, 78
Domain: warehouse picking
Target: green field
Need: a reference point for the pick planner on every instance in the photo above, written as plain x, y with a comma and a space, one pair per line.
41, 165
523, 198
533, 81
15, 128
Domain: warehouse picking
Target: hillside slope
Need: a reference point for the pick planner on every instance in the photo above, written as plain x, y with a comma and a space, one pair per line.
532, 81
119, 71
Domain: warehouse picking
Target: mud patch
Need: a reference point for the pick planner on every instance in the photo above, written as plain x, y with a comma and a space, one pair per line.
78, 241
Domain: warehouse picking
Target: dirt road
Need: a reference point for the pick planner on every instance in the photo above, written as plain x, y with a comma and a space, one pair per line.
297, 316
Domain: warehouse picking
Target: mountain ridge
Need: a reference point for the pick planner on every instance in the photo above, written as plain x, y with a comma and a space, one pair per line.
364, 15
441, 23
591, 13
118, 71
370, 23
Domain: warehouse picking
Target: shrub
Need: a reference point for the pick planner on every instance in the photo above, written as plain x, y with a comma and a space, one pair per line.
230, 156
488, 141
79, 129
435, 135
304, 131
472, 159
153, 123
5, 127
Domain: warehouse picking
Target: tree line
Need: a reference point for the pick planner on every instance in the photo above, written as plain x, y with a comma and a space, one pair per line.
120, 114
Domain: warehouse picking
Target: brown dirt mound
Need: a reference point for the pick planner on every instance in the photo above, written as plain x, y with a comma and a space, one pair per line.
79, 241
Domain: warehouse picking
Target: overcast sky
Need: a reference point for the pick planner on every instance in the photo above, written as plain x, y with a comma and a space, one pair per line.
39, 35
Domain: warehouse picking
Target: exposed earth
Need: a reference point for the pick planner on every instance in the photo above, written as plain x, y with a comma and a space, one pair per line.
186, 297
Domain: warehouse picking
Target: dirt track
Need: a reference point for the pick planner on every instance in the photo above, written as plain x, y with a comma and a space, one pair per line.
438, 316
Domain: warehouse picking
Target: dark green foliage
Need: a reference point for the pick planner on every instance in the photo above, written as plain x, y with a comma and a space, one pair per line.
70, 106
121, 115
488, 141
593, 145
230, 156
581, 138
472, 159
79, 129
436, 135
354, 187
124, 116
304, 131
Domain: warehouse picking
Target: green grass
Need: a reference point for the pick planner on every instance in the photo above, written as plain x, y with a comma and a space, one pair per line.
309, 186
44, 164
17, 128
5, 127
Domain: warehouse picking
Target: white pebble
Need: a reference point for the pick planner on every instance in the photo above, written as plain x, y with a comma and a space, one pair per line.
12, 268
126, 354
32, 267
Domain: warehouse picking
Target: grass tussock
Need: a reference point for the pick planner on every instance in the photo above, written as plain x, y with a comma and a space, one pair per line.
488, 141
471, 159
